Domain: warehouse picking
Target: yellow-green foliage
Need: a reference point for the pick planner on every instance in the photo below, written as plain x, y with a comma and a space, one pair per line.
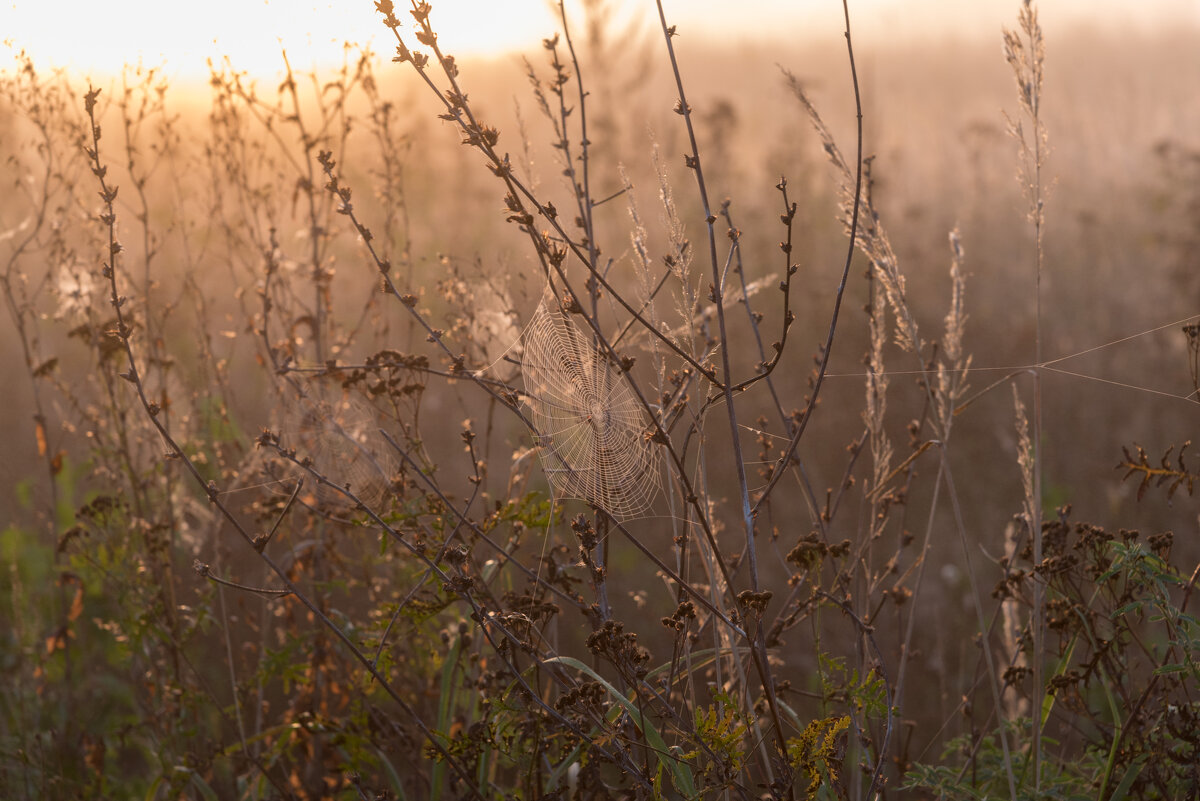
721, 729
818, 752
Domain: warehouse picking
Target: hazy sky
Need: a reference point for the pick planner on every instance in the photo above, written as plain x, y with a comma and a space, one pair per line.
100, 36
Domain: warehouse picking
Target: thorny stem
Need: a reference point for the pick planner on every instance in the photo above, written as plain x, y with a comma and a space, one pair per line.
767, 368
827, 348
718, 293
758, 647
584, 192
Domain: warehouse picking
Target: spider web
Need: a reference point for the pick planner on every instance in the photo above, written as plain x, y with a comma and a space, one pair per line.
591, 428
337, 433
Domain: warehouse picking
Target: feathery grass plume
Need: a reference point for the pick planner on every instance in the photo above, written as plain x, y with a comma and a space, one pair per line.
1025, 462
955, 364
1026, 56
679, 260
872, 240
648, 286
875, 412
1013, 627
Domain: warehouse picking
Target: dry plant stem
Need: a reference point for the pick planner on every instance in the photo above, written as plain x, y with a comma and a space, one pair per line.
1039, 591
133, 376
985, 641
153, 334
1026, 59
206, 572
922, 560
646, 304
877, 249
788, 452
314, 228
767, 368
267, 117
600, 519
239, 718
735, 235
758, 645
945, 474
718, 300
584, 192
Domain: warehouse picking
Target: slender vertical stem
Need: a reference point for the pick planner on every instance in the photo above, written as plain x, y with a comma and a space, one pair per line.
802, 425
693, 161
1037, 210
758, 645
585, 187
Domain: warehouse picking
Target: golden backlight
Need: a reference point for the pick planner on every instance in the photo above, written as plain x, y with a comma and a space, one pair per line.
98, 38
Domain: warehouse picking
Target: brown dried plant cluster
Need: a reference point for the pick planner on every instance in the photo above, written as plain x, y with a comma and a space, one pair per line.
323, 510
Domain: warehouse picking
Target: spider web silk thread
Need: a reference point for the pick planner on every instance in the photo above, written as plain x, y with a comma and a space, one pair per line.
590, 426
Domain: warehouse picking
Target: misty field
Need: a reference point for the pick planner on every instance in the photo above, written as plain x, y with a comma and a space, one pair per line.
624, 420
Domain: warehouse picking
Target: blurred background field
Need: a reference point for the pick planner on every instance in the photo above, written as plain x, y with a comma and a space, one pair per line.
1121, 233
216, 199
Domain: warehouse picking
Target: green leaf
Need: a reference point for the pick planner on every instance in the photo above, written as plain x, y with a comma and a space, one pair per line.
1131, 774
1172, 668
205, 790
681, 772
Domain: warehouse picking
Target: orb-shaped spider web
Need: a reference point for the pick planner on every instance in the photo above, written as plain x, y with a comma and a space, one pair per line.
591, 429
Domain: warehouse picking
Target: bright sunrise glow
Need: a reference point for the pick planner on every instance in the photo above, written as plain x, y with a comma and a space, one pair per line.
97, 38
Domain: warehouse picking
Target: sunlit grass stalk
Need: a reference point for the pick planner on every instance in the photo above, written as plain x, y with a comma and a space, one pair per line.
1026, 57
